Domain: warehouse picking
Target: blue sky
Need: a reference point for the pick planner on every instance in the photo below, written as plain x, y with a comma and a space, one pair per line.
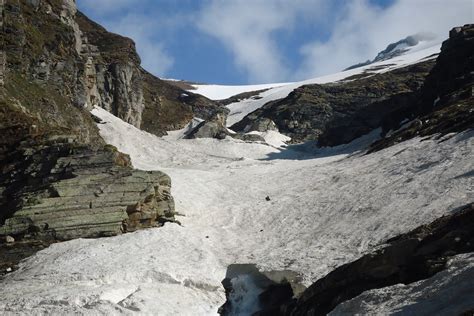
258, 41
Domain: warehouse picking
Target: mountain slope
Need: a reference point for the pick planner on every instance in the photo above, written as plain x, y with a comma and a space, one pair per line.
288, 210
326, 208
272, 92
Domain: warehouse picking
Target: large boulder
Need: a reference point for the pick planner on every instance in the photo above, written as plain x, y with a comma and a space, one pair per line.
62, 190
215, 127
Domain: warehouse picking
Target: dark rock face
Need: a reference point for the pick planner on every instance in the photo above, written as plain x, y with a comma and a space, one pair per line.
446, 102
339, 112
410, 257
251, 292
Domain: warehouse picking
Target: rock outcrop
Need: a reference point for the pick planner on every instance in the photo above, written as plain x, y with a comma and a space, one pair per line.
339, 112
63, 183
214, 127
61, 190
446, 102
53, 44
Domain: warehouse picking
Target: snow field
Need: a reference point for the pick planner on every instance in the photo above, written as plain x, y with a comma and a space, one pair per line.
327, 207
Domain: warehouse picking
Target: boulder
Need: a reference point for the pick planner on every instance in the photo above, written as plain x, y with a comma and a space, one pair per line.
215, 127
64, 191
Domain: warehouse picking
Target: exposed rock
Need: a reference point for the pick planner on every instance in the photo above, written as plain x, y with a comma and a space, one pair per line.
261, 125
339, 112
252, 292
242, 96
249, 137
61, 190
407, 258
58, 179
59, 48
9, 239
167, 107
215, 127
446, 102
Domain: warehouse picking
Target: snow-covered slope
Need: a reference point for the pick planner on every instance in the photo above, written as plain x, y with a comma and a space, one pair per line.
326, 208
239, 110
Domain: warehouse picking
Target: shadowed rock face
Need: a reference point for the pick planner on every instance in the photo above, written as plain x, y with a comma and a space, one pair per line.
414, 256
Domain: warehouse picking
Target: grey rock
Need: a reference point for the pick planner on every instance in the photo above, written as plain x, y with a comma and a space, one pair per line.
215, 127
84, 193
248, 137
261, 125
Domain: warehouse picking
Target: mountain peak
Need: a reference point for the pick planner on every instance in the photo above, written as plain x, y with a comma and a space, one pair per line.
399, 48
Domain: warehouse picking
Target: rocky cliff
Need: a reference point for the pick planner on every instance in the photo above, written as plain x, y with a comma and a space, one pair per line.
52, 44
58, 179
446, 101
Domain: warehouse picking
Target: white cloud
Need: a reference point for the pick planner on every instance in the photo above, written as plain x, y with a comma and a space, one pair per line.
255, 30
106, 6
144, 30
147, 30
363, 29
247, 29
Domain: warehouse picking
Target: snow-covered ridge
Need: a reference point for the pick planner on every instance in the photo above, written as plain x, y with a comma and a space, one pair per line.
238, 110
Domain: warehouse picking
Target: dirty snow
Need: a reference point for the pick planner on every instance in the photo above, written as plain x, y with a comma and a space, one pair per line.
326, 208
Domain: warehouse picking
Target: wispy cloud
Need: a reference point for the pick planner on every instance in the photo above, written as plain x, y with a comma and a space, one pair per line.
362, 29
247, 29
257, 32
147, 29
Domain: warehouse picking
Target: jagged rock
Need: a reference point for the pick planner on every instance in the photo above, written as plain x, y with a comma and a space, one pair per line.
61, 50
446, 101
261, 125
58, 179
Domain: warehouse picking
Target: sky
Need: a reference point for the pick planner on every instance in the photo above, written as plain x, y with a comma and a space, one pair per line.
263, 41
